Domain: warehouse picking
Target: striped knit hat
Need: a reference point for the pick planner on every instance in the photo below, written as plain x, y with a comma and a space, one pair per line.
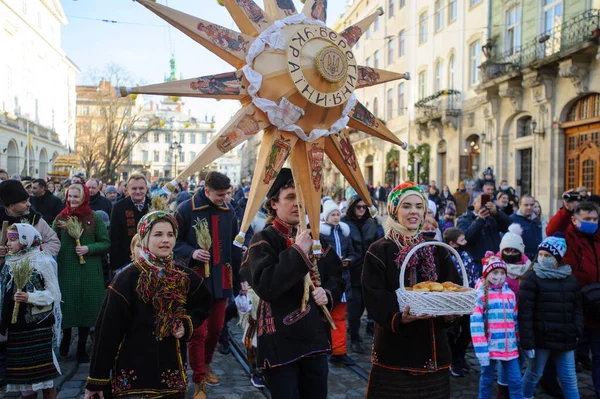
399, 193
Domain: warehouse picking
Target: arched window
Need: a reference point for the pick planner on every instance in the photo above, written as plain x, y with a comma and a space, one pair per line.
451, 72
401, 99
390, 51
375, 108
401, 44
524, 126
422, 84
390, 105
423, 28
438, 77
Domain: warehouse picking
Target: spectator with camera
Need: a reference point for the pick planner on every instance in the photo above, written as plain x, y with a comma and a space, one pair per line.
578, 221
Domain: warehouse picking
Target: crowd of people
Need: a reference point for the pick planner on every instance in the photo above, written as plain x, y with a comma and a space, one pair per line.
124, 266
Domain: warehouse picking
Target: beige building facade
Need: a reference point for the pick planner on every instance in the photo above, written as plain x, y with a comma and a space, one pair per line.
438, 112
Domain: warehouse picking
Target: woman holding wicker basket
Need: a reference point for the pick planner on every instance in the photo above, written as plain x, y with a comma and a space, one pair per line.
83, 241
411, 355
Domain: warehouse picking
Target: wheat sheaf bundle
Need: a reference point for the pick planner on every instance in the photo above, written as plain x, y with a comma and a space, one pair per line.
21, 276
75, 230
204, 240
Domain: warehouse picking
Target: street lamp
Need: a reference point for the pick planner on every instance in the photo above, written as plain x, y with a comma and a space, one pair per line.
175, 147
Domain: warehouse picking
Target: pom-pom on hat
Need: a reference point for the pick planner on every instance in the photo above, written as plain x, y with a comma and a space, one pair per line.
491, 262
399, 193
328, 207
556, 245
513, 238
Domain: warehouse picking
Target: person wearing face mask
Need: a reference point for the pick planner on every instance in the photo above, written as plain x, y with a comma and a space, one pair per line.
459, 336
550, 317
494, 328
578, 221
82, 285
150, 311
411, 354
430, 229
461, 198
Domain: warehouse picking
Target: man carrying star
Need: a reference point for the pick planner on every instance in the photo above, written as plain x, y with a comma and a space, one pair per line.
292, 343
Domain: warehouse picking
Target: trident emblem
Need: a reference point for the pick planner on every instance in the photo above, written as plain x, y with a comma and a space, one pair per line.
333, 64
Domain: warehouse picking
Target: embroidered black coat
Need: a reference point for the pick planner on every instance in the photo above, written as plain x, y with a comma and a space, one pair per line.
276, 273
123, 226
125, 344
225, 258
420, 346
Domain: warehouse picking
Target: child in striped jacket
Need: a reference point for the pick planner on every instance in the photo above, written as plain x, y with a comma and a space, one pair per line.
494, 328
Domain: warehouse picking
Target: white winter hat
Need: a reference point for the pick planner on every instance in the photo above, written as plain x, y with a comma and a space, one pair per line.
328, 207
513, 239
432, 207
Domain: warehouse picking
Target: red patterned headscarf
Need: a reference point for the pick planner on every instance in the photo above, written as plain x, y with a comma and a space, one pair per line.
83, 212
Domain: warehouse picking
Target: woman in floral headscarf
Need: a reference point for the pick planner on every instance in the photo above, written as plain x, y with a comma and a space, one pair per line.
30, 362
150, 310
82, 285
411, 355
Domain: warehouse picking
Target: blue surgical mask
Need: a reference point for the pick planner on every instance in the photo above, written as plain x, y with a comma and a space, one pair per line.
504, 187
547, 262
587, 227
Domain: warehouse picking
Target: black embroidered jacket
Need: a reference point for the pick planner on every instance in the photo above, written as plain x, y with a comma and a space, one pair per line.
275, 269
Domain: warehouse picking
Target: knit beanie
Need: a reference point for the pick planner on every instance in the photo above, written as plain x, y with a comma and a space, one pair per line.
513, 239
12, 192
328, 207
556, 245
399, 193
111, 189
491, 262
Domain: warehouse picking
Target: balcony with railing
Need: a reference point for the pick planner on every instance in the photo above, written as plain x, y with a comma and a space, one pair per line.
445, 106
552, 45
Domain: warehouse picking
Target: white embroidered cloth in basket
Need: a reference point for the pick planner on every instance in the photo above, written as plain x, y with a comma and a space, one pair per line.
436, 303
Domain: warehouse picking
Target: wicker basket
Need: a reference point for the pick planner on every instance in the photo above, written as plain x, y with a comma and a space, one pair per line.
436, 303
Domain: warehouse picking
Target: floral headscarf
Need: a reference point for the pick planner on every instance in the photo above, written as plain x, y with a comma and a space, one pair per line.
160, 282
42, 262
423, 260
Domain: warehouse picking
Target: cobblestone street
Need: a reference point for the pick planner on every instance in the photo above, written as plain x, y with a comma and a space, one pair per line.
235, 382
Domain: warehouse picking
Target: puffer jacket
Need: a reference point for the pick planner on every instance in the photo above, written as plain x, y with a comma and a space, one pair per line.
550, 314
500, 341
339, 239
583, 252
363, 233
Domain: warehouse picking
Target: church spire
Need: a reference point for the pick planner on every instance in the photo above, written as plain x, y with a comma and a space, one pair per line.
173, 76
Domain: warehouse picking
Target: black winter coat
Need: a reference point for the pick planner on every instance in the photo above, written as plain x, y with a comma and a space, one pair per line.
276, 270
483, 235
48, 205
363, 233
100, 203
550, 314
418, 346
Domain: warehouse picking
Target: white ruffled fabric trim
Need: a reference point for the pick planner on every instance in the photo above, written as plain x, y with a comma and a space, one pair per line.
30, 387
285, 114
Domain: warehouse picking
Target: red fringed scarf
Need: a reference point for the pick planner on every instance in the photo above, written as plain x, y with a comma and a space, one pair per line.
165, 289
422, 261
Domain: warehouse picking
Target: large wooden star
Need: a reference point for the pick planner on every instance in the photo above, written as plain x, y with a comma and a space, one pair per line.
314, 69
